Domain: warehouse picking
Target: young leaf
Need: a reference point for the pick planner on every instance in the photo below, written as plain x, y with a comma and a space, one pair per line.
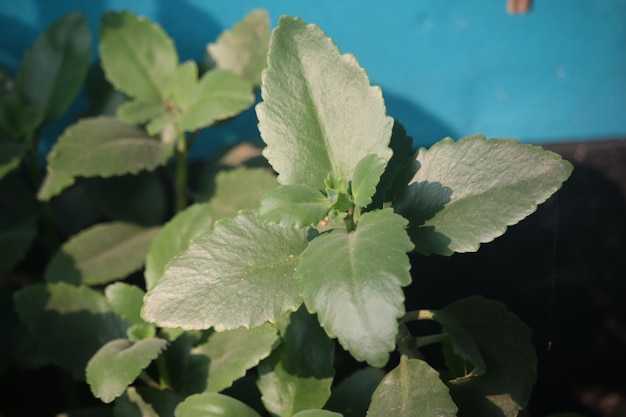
298, 374
317, 413
137, 111
498, 344
18, 221
213, 405
314, 123
147, 402
118, 363
101, 254
174, 238
53, 70
138, 57
366, 176
126, 300
465, 193
105, 147
83, 314
243, 50
352, 396
240, 274
353, 281
229, 354
294, 205
413, 388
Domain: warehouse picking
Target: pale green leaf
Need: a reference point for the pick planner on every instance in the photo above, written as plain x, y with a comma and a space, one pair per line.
294, 205
147, 402
213, 405
317, 413
352, 396
137, 111
240, 274
413, 388
53, 184
138, 57
183, 85
18, 221
103, 253
243, 50
11, 154
499, 345
353, 281
118, 363
465, 193
53, 70
366, 176
174, 238
229, 354
218, 95
83, 314
105, 147
126, 300
319, 113
298, 374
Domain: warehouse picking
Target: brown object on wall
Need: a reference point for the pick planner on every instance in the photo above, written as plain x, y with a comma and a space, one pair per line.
517, 6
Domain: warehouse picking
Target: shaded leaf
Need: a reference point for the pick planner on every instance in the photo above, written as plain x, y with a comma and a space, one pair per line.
213, 405
147, 402
118, 363
298, 374
484, 333
353, 281
54, 68
126, 300
352, 396
315, 124
238, 275
411, 389
317, 413
19, 120
84, 315
103, 253
366, 176
243, 50
11, 154
465, 193
294, 205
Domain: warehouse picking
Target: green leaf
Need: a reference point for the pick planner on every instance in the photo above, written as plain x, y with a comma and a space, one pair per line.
86, 320
366, 176
213, 405
11, 154
317, 413
411, 389
465, 193
229, 354
138, 57
53, 184
19, 120
147, 402
18, 221
137, 111
174, 238
352, 396
243, 50
126, 300
294, 205
218, 95
54, 69
353, 281
314, 123
183, 85
118, 363
238, 275
105, 147
298, 374
103, 253
499, 345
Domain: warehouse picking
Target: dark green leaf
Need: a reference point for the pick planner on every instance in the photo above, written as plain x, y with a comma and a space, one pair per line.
18, 221
19, 120
465, 193
105, 147
126, 300
314, 123
83, 315
366, 176
298, 374
294, 205
118, 363
412, 389
352, 396
53, 70
11, 154
213, 405
317, 413
147, 402
103, 253
240, 274
138, 57
353, 281
499, 345
243, 50
174, 238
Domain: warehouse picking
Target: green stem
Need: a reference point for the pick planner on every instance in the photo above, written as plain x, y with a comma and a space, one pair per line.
165, 381
407, 344
181, 173
148, 380
431, 339
417, 315
349, 220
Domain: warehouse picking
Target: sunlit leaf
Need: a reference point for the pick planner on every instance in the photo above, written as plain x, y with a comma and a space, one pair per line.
126, 300
213, 405
294, 205
366, 176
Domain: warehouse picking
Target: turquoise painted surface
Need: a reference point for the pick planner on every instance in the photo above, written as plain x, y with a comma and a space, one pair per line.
447, 68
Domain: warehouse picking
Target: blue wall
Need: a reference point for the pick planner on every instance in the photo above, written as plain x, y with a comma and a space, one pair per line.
447, 68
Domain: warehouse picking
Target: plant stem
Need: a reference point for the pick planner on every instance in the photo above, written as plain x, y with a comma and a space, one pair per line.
406, 344
431, 339
148, 380
165, 381
181, 173
417, 315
